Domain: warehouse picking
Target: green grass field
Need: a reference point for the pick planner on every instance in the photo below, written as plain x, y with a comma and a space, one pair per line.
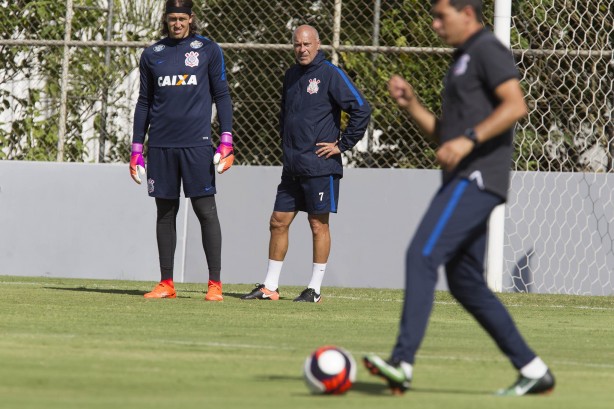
67, 343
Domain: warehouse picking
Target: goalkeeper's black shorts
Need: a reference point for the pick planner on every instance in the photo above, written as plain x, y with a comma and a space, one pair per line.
168, 168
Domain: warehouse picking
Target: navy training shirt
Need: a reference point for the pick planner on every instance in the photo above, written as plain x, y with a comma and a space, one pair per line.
480, 65
313, 98
180, 79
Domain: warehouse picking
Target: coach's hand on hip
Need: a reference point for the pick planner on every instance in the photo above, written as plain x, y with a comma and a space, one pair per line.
327, 148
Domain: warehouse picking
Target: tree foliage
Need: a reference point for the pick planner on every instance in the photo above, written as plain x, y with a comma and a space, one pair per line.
560, 53
37, 72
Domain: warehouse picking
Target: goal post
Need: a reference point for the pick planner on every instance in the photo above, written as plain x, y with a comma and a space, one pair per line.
496, 223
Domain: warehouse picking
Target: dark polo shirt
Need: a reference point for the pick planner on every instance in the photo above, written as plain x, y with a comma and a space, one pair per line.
480, 65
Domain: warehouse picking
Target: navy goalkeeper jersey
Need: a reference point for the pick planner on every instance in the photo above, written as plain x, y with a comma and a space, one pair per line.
180, 79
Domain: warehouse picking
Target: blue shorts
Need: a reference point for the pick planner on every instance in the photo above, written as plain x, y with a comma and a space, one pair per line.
167, 168
314, 195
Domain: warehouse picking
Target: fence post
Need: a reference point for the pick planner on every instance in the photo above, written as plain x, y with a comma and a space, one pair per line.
64, 81
336, 31
496, 222
377, 6
105, 89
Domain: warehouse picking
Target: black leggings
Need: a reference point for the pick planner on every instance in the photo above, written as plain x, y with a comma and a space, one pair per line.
166, 233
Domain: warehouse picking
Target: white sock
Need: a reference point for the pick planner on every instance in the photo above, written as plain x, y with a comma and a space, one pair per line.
271, 282
407, 369
317, 275
534, 369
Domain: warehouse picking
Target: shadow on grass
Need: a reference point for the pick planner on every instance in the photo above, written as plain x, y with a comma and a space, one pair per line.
451, 391
141, 292
360, 387
368, 388
99, 290
235, 295
375, 388
138, 293
378, 388
239, 295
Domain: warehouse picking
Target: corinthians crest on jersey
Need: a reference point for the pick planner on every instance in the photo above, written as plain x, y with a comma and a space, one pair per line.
191, 59
313, 88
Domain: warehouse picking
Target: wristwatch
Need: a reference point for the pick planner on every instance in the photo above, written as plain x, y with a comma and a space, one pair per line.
470, 133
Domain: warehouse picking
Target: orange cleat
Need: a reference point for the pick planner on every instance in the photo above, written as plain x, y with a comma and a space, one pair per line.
214, 292
162, 290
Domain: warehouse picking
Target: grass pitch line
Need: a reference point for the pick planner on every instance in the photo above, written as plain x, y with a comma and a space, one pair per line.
576, 307
224, 345
230, 345
573, 307
22, 283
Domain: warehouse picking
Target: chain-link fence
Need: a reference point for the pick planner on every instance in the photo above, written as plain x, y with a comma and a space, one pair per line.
562, 234
69, 83
69, 80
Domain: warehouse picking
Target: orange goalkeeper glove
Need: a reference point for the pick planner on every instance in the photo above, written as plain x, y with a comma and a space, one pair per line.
137, 163
224, 154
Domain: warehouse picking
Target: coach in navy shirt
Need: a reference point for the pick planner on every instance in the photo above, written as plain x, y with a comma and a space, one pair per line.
315, 92
482, 100
181, 76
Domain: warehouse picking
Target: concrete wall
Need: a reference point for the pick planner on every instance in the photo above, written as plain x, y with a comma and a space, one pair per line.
84, 220
93, 221
378, 211
75, 220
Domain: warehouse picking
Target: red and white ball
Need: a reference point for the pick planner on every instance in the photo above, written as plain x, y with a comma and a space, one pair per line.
330, 370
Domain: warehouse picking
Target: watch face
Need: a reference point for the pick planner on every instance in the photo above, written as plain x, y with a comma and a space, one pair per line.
470, 133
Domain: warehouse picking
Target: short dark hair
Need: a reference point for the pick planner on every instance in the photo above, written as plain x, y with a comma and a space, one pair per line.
476, 5
194, 25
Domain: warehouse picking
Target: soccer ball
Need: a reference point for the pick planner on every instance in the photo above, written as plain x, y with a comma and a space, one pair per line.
329, 370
